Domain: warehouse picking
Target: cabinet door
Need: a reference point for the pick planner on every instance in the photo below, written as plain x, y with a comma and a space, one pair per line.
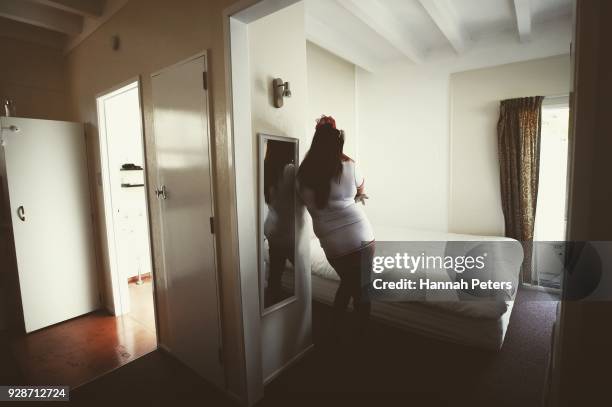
49, 197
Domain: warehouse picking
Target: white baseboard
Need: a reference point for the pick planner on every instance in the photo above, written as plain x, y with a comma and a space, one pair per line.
293, 360
541, 289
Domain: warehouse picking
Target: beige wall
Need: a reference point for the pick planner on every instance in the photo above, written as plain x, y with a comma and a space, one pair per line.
287, 331
155, 34
331, 91
475, 203
402, 114
33, 75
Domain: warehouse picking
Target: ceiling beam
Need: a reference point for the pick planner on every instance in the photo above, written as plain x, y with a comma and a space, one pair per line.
41, 16
85, 8
440, 13
523, 19
326, 37
385, 23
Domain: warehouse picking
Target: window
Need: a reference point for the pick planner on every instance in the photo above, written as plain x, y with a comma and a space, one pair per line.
551, 210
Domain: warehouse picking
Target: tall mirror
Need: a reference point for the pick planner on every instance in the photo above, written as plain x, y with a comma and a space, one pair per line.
278, 164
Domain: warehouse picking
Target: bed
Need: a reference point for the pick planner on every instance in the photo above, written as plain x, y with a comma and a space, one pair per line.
476, 323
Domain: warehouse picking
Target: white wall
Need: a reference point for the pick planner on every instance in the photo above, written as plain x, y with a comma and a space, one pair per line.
277, 48
331, 91
246, 223
404, 117
402, 113
475, 203
34, 76
403, 125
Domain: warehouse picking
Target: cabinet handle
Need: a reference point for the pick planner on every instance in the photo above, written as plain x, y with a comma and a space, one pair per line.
162, 193
21, 213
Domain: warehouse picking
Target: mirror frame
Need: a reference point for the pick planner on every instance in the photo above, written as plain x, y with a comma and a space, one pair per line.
262, 138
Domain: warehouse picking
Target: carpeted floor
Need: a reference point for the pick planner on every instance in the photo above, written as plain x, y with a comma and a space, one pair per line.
399, 368
392, 368
156, 379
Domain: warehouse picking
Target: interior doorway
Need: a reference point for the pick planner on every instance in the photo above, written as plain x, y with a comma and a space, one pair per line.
123, 176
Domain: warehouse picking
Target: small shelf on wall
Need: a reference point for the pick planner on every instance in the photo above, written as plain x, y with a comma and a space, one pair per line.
130, 167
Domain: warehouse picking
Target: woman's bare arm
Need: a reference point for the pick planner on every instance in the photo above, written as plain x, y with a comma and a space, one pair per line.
361, 189
361, 195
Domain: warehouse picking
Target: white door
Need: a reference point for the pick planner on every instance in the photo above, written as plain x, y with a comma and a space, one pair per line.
180, 115
49, 197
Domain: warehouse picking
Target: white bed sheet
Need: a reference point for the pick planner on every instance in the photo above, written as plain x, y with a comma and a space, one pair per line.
508, 270
426, 320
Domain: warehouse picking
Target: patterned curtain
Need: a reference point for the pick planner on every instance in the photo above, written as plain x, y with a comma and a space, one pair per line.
518, 131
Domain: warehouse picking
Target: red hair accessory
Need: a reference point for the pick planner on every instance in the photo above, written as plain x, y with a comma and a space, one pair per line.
323, 120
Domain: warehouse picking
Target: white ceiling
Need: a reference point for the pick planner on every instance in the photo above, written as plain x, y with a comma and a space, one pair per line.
368, 33
371, 33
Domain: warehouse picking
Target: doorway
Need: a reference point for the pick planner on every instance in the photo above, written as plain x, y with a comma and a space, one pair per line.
551, 211
123, 176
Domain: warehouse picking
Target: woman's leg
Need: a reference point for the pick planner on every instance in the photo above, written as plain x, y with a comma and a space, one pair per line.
361, 302
361, 305
349, 268
343, 293
277, 267
342, 298
354, 270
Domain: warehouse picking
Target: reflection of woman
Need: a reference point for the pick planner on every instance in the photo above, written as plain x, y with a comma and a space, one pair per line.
279, 225
331, 187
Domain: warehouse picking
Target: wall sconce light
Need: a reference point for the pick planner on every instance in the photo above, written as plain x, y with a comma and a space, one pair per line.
280, 91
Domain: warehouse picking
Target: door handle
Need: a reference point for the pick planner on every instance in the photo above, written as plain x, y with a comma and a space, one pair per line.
162, 193
21, 213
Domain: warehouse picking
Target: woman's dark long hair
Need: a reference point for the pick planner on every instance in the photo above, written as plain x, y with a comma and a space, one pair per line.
278, 155
322, 163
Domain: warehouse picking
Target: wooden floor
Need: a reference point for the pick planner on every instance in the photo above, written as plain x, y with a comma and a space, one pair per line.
79, 350
141, 304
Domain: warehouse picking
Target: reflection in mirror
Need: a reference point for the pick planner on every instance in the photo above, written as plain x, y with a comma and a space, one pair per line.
278, 158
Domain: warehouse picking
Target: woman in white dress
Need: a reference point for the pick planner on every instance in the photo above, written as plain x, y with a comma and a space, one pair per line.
331, 187
279, 225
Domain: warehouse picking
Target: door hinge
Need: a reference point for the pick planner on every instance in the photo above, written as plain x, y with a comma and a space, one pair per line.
212, 225
221, 355
204, 80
